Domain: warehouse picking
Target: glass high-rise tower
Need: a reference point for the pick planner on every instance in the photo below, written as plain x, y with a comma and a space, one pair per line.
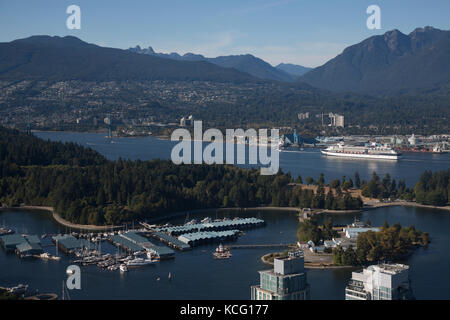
287, 280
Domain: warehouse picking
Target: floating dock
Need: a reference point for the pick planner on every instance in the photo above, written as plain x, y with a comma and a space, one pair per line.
23, 245
240, 223
68, 243
126, 244
133, 242
197, 238
170, 241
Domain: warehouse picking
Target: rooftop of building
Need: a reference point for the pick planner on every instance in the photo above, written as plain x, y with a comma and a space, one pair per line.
214, 224
389, 268
161, 250
70, 242
293, 255
124, 242
173, 240
203, 235
288, 275
135, 237
12, 239
24, 247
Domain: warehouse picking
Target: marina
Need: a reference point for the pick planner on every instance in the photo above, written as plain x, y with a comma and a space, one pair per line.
427, 265
133, 247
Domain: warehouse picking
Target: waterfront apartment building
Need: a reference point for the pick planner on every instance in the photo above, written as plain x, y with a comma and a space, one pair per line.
287, 280
380, 282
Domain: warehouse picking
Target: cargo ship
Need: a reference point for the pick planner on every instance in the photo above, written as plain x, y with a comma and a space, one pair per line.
371, 151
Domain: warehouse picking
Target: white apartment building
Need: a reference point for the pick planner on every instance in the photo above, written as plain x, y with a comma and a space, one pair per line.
380, 282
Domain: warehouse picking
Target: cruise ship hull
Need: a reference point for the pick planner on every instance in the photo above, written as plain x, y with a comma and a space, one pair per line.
393, 157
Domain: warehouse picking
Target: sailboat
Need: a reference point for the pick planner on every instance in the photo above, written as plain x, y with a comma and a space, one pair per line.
65, 292
169, 276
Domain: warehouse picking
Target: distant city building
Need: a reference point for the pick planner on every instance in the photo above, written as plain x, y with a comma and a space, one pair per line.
337, 120
303, 116
287, 280
187, 122
380, 282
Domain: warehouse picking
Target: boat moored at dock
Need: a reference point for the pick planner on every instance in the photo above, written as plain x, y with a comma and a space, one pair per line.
140, 262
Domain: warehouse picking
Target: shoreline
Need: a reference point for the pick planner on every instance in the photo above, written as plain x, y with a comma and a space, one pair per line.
370, 206
62, 221
309, 265
367, 206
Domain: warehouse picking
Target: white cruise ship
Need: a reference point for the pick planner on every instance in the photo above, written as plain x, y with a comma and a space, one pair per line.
373, 151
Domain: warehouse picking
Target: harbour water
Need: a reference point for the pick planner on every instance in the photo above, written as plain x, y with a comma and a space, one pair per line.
197, 275
309, 162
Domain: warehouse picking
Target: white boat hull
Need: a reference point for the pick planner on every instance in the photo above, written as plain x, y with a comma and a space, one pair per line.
393, 157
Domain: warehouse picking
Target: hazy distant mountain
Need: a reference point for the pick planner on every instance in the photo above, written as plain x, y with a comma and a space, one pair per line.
293, 69
388, 63
66, 58
245, 63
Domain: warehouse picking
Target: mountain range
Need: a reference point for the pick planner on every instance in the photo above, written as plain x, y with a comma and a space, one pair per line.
245, 63
388, 63
293, 69
69, 58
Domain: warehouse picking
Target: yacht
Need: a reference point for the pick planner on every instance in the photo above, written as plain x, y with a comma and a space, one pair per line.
123, 268
19, 289
206, 220
5, 231
138, 262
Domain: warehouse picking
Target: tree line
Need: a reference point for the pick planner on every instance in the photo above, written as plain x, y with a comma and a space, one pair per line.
389, 244
431, 189
85, 188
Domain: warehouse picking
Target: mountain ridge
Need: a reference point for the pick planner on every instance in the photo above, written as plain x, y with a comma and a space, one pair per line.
388, 63
68, 58
293, 69
247, 63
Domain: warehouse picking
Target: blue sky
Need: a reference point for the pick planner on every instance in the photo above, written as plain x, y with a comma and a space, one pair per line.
306, 32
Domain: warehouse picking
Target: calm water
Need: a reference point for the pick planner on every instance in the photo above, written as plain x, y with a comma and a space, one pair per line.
309, 162
196, 275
